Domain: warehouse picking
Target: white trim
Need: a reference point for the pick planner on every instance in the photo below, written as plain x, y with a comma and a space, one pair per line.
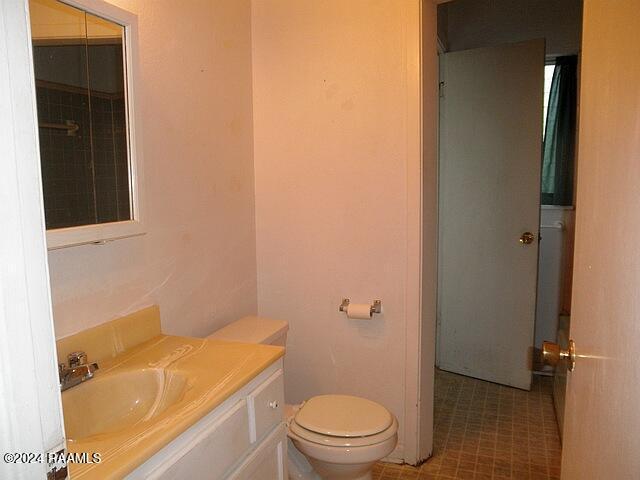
409, 447
429, 77
30, 406
557, 207
100, 233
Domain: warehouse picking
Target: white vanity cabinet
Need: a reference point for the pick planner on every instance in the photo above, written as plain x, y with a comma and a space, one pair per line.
243, 438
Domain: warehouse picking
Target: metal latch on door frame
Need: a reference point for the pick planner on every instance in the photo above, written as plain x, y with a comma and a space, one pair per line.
58, 470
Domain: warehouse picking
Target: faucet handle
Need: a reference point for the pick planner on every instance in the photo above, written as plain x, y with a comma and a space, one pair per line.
77, 359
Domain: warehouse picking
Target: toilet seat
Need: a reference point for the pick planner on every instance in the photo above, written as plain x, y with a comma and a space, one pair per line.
331, 441
343, 421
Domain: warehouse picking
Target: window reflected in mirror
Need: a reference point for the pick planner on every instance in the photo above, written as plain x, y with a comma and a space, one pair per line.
80, 75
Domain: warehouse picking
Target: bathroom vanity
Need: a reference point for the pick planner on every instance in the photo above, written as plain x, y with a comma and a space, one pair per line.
242, 439
167, 407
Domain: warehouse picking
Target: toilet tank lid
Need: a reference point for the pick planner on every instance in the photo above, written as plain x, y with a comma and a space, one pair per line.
252, 329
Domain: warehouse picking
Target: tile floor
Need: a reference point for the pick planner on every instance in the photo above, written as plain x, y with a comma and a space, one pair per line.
485, 431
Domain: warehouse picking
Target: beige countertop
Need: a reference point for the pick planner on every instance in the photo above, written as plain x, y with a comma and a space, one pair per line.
144, 397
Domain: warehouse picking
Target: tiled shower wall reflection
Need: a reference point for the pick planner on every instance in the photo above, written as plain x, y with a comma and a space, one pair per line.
83, 185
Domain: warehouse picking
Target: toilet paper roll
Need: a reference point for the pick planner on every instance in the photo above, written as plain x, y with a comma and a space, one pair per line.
359, 310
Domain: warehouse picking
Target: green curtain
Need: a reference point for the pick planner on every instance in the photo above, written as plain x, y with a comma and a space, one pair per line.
560, 134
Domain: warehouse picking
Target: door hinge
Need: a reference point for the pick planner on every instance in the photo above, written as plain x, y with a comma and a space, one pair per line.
441, 89
57, 465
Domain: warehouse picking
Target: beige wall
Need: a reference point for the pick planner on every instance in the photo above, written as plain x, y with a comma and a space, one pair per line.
337, 165
336, 97
198, 258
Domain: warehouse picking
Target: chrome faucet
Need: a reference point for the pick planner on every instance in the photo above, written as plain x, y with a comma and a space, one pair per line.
77, 372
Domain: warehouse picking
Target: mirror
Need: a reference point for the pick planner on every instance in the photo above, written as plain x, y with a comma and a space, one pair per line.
82, 99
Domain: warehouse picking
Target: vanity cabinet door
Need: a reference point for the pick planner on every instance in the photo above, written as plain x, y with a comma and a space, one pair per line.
216, 450
268, 461
266, 406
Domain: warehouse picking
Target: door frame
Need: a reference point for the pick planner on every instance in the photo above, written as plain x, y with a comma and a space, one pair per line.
30, 402
422, 232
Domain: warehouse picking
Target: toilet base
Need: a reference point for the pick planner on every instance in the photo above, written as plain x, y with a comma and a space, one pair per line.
333, 471
302, 467
298, 466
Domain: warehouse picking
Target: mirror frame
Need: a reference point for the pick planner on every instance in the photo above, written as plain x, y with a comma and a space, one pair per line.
101, 233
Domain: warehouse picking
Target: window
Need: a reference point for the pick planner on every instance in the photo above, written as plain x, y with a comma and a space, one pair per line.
82, 65
559, 132
548, 77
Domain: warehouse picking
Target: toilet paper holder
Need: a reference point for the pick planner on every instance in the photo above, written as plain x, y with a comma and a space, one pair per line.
376, 306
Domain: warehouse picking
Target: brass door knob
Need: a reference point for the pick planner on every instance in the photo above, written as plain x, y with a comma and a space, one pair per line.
552, 354
527, 238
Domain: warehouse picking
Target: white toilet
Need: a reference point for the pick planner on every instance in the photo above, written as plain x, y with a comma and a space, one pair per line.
341, 436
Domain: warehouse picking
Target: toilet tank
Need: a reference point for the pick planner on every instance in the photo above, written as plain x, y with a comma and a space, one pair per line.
252, 329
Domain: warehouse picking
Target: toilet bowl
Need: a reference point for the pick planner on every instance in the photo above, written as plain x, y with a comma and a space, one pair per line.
334, 437
343, 436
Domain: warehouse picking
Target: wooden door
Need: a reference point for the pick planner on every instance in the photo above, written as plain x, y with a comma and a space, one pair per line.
602, 407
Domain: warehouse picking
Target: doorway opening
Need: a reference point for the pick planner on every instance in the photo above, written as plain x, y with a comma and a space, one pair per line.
508, 103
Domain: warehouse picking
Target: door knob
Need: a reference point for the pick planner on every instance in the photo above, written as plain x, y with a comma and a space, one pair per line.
526, 238
552, 354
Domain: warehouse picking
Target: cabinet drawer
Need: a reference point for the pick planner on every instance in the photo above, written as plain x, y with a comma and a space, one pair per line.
216, 450
266, 406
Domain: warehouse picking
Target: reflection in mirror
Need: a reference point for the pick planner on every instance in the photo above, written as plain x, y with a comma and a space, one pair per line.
82, 115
